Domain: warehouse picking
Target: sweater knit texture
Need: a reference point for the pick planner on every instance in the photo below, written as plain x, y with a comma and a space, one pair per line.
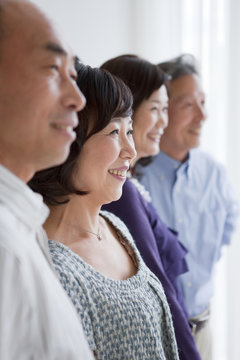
122, 319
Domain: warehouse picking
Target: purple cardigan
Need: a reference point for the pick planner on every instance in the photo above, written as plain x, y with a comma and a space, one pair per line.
163, 254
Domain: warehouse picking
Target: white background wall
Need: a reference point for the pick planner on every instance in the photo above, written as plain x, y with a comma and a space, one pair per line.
158, 30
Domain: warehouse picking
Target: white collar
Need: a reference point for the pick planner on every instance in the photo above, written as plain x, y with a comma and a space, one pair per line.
27, 206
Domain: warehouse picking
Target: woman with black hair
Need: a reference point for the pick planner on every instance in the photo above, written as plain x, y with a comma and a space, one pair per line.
121, 303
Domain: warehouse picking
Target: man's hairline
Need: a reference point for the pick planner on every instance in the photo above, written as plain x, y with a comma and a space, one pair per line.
171, 81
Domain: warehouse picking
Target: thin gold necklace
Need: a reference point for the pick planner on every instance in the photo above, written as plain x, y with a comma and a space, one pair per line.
98, 235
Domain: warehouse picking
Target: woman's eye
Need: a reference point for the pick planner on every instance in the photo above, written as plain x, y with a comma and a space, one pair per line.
154, 108
115, 132
130, 132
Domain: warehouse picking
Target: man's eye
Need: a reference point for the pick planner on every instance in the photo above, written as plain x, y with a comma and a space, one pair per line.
74, 78
54, 67
73, 75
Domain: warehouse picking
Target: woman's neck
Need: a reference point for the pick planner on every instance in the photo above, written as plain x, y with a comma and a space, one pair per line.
78, 217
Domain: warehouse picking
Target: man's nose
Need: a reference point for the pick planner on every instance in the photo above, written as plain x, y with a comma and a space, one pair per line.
74, 98
202, 112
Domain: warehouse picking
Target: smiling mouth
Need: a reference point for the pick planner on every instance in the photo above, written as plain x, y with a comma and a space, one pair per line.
122, 173
155, 138
67, 128
195, 131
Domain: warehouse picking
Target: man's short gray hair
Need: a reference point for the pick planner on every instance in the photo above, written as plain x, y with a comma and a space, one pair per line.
185, 64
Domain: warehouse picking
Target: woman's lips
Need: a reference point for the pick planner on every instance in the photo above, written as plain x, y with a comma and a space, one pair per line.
155, 136
119, 173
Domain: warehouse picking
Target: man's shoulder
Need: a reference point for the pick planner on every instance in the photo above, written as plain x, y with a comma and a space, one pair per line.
208, 171
7, 220
200, 159
10, 233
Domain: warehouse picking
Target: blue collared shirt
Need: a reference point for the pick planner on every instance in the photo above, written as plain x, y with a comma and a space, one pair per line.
195, 199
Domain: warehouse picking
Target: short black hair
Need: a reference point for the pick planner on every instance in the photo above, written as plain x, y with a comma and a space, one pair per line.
107, 97
185, 64
140, 75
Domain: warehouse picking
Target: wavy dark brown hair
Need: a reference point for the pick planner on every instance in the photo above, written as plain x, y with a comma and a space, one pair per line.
107, 97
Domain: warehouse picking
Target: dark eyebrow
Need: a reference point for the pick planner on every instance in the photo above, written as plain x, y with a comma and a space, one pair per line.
55, 48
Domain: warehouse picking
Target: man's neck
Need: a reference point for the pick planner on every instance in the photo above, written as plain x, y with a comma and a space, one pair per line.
22, 171
176, 156
174, 153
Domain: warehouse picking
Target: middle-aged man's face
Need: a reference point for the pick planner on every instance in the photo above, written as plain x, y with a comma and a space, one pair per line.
187, 114
38, 94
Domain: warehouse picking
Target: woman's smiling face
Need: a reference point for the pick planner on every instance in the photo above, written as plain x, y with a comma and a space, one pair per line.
150, 120
104, 160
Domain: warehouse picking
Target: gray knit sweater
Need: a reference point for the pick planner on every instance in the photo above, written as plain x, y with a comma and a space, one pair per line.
122, 319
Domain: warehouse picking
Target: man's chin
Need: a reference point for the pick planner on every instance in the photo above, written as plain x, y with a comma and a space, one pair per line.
55, 160
196, 145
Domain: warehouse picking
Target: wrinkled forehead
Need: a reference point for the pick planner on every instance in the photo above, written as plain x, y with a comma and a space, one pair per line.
183, 86
30, 27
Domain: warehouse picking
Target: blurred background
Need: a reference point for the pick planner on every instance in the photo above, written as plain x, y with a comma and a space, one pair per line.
158, 30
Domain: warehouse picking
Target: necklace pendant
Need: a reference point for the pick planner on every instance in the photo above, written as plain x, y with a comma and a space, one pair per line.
99, 237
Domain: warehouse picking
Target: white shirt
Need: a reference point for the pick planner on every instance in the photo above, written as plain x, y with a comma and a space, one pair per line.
37, 319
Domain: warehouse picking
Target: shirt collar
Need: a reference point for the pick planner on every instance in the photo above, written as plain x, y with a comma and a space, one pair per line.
177, 166
26, 205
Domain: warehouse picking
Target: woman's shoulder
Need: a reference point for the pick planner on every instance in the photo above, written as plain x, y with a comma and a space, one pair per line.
65, 261
141, 189
116, 223
124, 233
134, 190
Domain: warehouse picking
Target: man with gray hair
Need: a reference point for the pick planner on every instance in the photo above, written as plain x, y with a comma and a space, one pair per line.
192, 193
38, 103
